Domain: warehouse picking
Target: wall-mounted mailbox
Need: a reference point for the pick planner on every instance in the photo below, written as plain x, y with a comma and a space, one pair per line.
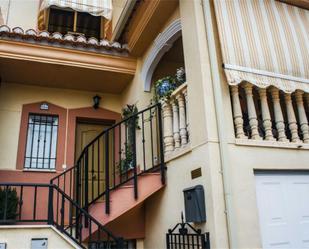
195, 210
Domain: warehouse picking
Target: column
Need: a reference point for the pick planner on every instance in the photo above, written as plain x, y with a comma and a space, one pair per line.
278, 115
265, 114
167, 127
182, 119
302, 115
185, 94
291, 118
175, 123
251, 112
237, 113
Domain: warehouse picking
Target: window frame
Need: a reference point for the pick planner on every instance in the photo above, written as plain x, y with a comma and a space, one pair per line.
53, 110
74, 32
52, 142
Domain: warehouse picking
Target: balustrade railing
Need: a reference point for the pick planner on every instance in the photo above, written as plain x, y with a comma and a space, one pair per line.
28, 203
116, 156
176, 132
270, 114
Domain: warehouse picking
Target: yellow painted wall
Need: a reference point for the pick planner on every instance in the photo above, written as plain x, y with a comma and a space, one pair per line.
19, 237
13, 96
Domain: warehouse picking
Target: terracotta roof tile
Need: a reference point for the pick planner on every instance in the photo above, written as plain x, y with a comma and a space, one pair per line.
68, 41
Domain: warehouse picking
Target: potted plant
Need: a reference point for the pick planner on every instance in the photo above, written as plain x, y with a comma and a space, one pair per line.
126, 163
164, 88
9, 196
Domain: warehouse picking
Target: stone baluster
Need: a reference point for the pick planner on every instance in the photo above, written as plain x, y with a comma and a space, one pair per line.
168, 127
278, 114
306, 100
302, 115
266, 115
237, 113
251, 112
185, 94
291, 118
175, 123
182, 118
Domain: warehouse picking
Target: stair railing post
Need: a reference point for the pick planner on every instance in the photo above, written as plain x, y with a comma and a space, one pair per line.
50, 218
120, 243
107, 199
77, 195
161, 142
134, 120
86, 184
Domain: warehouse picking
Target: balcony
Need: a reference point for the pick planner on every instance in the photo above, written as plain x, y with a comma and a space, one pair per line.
175, 123
270, 117
64, 61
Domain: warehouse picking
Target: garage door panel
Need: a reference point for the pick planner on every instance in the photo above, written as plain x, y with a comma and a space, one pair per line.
283, 204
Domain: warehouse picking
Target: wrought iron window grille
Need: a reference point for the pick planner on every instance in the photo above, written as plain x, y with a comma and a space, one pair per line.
41, 145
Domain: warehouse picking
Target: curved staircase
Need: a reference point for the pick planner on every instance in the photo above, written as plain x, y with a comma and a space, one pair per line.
98, 203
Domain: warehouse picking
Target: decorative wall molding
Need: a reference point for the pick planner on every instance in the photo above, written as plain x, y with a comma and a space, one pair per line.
161, 45
70, 57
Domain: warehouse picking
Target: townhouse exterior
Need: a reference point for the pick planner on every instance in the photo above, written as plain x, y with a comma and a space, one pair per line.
232, 137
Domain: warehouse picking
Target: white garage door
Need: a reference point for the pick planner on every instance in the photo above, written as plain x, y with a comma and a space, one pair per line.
283, 204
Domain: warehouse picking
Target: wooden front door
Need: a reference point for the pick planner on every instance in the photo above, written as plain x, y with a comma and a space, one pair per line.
85, 133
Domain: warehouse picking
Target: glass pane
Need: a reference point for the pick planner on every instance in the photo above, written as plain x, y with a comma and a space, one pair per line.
89, 25
60, 21
54, 142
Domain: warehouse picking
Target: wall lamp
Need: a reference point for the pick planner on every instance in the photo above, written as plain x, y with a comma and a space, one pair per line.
96, 101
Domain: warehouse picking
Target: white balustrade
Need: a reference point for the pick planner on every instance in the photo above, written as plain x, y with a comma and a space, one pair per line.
168, 127
238, 120
176, 124
286, 112
278, 115
291, 118
251, 112
175, 120
302, 115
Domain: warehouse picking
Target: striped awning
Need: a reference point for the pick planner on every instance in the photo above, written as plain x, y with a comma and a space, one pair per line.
264, 42
93, 7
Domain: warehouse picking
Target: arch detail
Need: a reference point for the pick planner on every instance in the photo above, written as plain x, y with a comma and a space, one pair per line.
163, 42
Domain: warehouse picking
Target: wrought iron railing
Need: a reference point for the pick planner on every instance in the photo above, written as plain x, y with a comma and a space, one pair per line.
116, 157
47, 204
185, 236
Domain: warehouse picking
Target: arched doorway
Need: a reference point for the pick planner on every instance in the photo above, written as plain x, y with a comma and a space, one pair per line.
160, 52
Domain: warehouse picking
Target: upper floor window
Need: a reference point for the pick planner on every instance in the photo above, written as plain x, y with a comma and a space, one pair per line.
41, 142
69, 21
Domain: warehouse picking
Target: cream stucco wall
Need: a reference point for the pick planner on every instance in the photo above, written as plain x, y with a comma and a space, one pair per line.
13, 96
243, 161
163, 210
13, 12
20, 237
118, 6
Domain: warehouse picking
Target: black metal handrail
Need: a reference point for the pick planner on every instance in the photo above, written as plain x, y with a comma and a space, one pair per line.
54, 207
112, 159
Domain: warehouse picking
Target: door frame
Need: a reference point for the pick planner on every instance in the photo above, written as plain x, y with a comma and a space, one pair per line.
86, 114
90, 121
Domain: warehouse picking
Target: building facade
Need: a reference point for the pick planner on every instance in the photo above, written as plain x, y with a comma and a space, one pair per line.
118, 116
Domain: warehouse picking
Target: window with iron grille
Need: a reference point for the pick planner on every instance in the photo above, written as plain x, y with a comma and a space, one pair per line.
41, 144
